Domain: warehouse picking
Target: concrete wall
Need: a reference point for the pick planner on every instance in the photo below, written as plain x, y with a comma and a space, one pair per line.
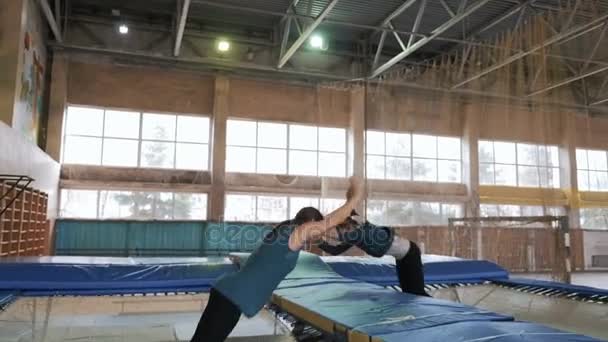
10, 32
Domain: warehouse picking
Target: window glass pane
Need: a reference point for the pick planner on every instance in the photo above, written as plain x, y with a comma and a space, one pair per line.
509, 210
532, 210
504, 152
192, 156
120, 152
428, 213
121, 124
581, 159
189, 206
332, 164
82, 150
486, 174
84, 121
598, 181
162, 204
449, 148
398, 144
549, 177
297, 203
272, 161
376, 210
78, 203
374, 142
242, 133
272, 209
594, 218
488, 210
158, 127
303, 163
115, 204
597, 160
583, 180
157, 154
192, 129
486, 151
375, 167
302, 137
425, 146
548, 155
399, 213
398, 168
450, 211
449, 171
240, 208
272, 135
527, 154
332, 139
505, 174
330, 204
528, 176
555, 211
425, 170
240, 159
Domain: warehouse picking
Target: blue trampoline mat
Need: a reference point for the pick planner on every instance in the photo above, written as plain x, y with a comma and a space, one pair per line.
91, 275
437, 269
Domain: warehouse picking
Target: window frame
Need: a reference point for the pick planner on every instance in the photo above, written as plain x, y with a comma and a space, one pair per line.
588, 169
517, 165
417, 202
288, 149
411, 156
140, 139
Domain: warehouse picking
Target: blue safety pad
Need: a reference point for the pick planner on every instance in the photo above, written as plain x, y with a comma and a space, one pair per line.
487, 331
579, 290
437, 269
368, 308
91, 275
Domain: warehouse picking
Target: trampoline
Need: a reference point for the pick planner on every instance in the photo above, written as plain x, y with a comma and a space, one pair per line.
161, 299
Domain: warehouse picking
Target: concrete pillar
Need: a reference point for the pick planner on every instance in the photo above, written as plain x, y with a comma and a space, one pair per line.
11, 43
356, 136
470, 157
57, 105
221, 110
567, 167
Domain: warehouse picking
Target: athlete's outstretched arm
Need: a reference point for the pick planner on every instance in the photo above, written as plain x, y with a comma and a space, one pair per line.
311, 231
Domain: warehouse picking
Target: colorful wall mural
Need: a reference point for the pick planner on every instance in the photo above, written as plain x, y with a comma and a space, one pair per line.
29, 106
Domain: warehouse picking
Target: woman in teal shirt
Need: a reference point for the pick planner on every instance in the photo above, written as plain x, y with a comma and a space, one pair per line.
247, 290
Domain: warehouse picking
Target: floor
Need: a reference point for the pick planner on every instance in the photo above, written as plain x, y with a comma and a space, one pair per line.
113, 318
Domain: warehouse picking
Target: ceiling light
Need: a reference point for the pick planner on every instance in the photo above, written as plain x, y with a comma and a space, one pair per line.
317, 42
123, 29
223, 46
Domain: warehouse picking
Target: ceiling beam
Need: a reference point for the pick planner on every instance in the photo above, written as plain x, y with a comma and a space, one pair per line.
571, 33
48, 13
407, 4
304, 36
599, 102
436, 32
183, 17
569, 80
503, 17
417, 22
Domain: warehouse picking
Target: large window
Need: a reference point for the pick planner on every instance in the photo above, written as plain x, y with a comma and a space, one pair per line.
519, 210
592, 169
273, 208
594, 218
95, 136
408, 213
145, 205
277, 148
414, 157
517, 164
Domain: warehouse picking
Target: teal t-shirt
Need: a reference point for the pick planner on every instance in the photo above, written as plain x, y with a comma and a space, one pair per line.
252, 286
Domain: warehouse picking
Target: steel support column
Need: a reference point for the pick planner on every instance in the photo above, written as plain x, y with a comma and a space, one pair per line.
183, 17
48, 13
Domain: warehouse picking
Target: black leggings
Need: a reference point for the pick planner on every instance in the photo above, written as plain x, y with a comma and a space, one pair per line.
218, 319
410, 272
